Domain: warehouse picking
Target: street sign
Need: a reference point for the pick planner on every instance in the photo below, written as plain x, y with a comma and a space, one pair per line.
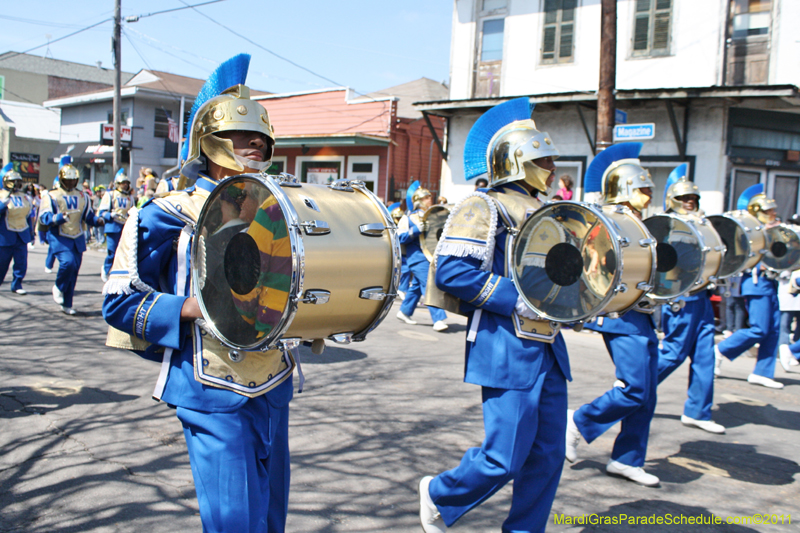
107, 134
620, 117
634, 132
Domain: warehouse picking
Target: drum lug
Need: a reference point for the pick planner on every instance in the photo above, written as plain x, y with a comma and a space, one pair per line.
316, 297
372, 230
310, 203
346, 185
285, 345
624, 242
341, 338
236, 356
621, 288
644, 286
374, 293
705, 249
699, 281
646, 242
287, 180
316, 227
719, 248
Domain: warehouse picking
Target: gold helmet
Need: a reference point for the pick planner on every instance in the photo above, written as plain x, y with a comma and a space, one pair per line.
617, 173
12, 181
678, 185
224, 104
418, 195
397, 214
503, 144
758, 207
68, 177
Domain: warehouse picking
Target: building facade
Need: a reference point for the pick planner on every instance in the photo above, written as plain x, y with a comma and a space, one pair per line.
717, 79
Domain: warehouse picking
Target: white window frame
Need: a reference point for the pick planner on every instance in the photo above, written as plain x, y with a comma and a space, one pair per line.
299, 160
374, 159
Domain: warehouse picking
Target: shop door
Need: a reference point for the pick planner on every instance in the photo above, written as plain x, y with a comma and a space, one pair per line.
364, 168
784, 187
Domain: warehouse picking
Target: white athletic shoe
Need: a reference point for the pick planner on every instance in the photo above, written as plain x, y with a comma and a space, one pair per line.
429, 515
31, 246
573, 437
401, 295
718, 358
21, 292
439, 325
619, 384
785, 356
58, 296
705, 425
67, 310
48, 270
755, 379
405, 318
633, 473
103, 274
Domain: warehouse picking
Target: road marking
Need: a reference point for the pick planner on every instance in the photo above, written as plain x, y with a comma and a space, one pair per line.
698, 466
746, 401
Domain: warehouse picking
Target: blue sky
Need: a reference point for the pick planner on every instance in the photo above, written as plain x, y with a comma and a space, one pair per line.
364, 44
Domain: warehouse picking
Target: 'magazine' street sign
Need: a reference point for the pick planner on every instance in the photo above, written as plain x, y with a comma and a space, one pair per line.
634, 132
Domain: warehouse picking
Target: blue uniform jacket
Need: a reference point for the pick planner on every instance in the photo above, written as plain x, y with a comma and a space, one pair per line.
111, 225
158, 268
11, 238
54, 218
498, 358
410, 239
764, 287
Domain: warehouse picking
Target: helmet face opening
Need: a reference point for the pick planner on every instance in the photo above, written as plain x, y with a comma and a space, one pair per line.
679, 193
623, 181
68, 177
763, 208
512, 151
12, 181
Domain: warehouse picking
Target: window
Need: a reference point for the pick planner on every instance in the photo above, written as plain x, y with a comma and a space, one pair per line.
651, 27
558, 37
491, 5
2, 87
490, 58
161, 128
492, 42
750, 17
123, 116
362, 167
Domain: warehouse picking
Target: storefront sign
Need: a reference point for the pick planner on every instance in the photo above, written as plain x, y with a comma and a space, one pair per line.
107, 134
322, 175
27, 165
634, 132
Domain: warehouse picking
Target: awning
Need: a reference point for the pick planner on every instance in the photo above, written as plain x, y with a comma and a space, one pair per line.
83, 152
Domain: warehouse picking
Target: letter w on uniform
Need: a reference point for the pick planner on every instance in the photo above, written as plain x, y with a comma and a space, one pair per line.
71, 201
17, 201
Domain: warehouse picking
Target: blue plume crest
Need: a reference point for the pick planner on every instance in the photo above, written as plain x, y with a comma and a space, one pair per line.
409, 194
65, 160
6, 169
393, 206
484, 129
677, 173
748, 194
231, 72
593, 181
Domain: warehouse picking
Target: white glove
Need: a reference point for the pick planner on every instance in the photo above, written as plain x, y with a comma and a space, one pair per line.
523, 310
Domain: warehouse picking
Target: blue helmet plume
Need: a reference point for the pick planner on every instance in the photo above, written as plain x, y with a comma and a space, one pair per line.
409, 194
593, 181
748, 194
6, 169
65, 160
230, 73
677, 173
393, 206
484, 129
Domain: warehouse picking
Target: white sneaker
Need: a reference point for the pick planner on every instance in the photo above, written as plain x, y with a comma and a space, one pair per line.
620, 384
103, 274
21, 292
633, 473
785, 356
407, 319
48, 270
31, 246
573, 437
727, 333
755, 379
401, 295
58, 296
439, 325
67, 310
705, 425
718, 358
429, 515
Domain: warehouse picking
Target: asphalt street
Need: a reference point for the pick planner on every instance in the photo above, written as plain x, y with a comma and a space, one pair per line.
83, 447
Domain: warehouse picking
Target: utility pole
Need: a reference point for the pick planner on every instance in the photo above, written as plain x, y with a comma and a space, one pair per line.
606, 104
117, 86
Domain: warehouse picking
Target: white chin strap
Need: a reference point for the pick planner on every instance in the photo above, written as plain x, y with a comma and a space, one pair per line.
249, 163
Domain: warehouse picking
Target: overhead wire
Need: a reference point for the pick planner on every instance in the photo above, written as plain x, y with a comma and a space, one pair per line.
48, 43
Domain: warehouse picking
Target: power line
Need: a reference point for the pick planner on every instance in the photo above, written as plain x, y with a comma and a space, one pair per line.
48, 43
134, 18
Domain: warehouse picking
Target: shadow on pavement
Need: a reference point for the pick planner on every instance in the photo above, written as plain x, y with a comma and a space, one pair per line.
17, 401
332, 354
735, 414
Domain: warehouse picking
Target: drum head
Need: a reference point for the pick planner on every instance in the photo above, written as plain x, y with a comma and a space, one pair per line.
783, 248
242, 262
564, 262
435, 217
734, 237
679, 255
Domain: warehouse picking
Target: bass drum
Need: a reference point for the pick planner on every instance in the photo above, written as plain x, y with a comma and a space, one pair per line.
744, 240
783, 248
434, 218
682, 253
275, 262
573, 261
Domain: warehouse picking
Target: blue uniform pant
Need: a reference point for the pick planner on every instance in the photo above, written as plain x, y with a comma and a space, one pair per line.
69, 264
765, 320
735, 313
50, 260
525, 441
19, 253
240, 466
112, 240
636, 360
405, 276
416, 290
690, 333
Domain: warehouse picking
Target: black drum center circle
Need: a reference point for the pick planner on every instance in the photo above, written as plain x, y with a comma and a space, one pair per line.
563, 264
666, 257
242, 263
778, 249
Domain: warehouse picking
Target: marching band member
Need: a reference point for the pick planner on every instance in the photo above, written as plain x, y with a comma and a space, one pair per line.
690, 331
15, 228
405, 275
114, 208
50, 260
236, 429
65, 212
630, 339
409, 233
167, 185
760, 290
522, 375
